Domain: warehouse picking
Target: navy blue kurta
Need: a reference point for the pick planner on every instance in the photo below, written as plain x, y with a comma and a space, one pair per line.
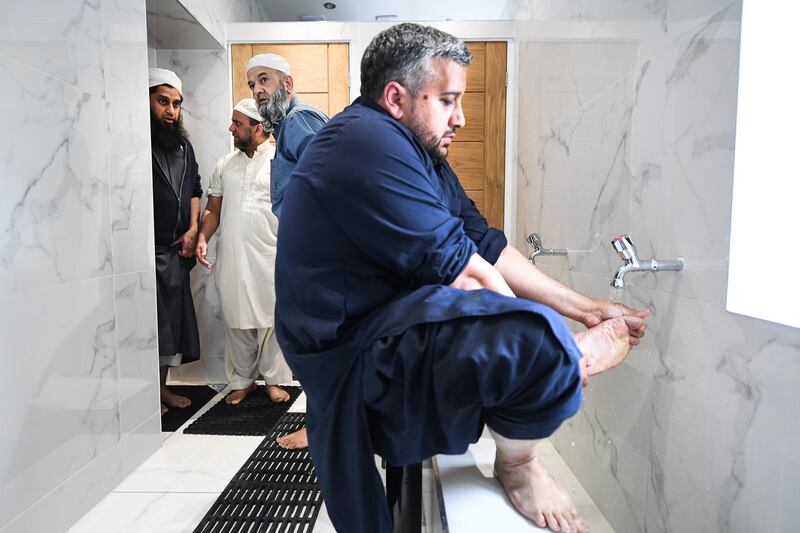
394, 361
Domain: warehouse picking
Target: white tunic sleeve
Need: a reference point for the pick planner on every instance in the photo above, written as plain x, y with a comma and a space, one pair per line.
215, 186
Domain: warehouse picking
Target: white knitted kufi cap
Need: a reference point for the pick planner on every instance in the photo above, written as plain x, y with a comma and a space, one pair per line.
162, 76
249, 107
273, 61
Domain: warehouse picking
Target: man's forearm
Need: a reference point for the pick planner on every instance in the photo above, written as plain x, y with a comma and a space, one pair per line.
209, 224
479, 274
211, 216
529, 282
194, 213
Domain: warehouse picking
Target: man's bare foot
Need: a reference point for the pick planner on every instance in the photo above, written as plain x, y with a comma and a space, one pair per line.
605, 345
174, 400
294, 441
164, 409
535, 493
277, 394
238, 395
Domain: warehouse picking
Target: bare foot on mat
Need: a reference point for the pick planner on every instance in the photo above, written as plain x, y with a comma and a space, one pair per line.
294, 441
238, 395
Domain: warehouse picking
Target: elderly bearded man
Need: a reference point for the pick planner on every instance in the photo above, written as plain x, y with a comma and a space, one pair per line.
295, 123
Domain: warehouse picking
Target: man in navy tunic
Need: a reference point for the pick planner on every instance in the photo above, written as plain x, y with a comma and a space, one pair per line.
408, 320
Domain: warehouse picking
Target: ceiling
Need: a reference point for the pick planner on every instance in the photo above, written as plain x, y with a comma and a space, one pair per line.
417, 10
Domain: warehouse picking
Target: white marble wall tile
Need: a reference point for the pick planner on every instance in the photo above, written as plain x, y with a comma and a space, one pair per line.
209, 315
692, 10
69, 502
700, 157
56, 210
137, 348
769, 465
60, 407
204, 13
596, 10
73, 130
62, 39
718, 417
170, 25
129, 137
699, 429
586, 181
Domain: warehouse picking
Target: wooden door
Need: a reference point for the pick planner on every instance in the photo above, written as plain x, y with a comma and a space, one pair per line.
321, 72
478, 152
321, 75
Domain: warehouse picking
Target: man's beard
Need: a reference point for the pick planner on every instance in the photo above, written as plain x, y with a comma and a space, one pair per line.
167, 136
430, 141
243, 143
274, 110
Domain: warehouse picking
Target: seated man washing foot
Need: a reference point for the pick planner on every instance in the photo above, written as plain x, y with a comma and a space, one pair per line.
410, 322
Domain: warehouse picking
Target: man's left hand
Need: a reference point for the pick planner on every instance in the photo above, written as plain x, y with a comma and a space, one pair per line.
607, 310
188, 242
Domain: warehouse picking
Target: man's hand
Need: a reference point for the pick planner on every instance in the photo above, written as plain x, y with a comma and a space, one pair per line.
201, 250
188, 242
607, 310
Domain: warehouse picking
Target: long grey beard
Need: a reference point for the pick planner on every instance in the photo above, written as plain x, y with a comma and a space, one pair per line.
274, 110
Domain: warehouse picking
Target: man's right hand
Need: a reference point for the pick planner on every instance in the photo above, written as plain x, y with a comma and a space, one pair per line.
201, 251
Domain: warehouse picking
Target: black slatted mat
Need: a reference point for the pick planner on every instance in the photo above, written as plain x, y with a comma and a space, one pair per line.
254, 416
177, 416
275, 491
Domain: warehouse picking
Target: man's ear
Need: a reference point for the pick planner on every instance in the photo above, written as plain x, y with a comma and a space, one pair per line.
289, 83
394, 99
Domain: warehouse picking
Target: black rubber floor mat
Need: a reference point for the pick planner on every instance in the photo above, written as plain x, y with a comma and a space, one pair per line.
177, 416
275, 491
255, 416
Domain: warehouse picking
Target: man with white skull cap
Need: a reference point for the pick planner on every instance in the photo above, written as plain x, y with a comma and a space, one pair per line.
245, 259
294, 124
176, 207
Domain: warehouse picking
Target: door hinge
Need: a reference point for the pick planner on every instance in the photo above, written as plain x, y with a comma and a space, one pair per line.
506, 79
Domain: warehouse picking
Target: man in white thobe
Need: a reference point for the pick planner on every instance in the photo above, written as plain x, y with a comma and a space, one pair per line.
245, 266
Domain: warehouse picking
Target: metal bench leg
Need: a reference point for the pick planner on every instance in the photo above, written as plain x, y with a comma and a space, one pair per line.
404, 496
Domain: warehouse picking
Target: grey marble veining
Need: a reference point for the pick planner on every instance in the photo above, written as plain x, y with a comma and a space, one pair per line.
78, 323
695, 432
56, 219
61, 39
170, 25
128, 138
64, 413
137, 341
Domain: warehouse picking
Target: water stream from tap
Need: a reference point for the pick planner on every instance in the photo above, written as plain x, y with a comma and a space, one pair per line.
615, 295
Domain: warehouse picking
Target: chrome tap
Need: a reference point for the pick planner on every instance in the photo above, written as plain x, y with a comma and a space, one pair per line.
626, 249
536, 243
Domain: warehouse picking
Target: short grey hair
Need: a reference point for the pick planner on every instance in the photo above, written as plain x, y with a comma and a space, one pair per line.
403, 54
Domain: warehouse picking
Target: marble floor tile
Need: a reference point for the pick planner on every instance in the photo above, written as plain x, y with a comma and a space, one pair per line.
475, 502
154, 512
192, 463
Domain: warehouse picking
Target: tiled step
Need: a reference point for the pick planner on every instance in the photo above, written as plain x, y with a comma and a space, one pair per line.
474, 502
